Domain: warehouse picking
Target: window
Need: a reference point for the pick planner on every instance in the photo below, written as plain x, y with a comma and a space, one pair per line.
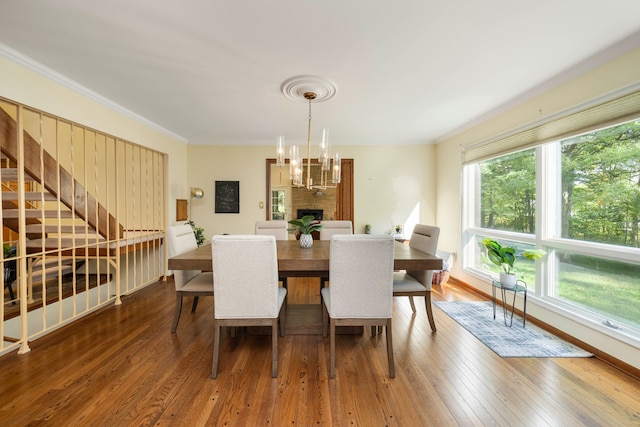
579, 199
278, 207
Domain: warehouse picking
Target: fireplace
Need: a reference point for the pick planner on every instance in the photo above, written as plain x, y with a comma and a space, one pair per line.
316, 213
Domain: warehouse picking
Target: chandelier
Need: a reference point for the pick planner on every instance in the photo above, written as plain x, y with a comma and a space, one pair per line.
311, 89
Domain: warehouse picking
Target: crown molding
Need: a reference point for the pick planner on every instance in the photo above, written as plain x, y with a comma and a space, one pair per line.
48, 73
618, 49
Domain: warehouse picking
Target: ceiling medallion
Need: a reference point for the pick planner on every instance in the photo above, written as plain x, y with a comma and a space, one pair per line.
296, 87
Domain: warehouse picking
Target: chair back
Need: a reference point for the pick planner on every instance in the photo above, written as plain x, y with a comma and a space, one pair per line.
181, 239
277, 228
245, 276
424, 238
361, 276
331, 228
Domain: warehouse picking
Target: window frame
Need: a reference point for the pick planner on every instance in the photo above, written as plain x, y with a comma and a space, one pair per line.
548, 211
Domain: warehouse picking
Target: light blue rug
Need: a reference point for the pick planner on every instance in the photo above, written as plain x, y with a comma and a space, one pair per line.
514, 341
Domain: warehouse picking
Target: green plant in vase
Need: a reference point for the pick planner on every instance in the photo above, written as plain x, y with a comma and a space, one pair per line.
505, 258
305, 225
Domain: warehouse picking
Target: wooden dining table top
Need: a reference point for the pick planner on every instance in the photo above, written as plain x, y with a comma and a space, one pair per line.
296, 261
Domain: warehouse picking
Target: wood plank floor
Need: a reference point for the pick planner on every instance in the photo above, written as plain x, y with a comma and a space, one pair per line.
122, 367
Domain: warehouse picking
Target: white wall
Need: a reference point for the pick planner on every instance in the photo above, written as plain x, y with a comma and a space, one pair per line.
19, 83
609, 78
390, 185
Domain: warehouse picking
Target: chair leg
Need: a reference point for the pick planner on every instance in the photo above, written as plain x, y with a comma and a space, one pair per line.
195, 304
216, 349
274, 348
325, 319
176, 316
283, 320
413, 306
332, 340
392, 369
427, 303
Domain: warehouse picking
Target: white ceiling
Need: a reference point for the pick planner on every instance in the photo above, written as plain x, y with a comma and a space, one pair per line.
406, 71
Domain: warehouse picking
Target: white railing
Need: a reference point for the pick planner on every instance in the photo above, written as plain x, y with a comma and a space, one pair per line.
85, 213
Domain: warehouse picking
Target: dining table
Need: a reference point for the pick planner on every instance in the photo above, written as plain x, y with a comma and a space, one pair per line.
294, 261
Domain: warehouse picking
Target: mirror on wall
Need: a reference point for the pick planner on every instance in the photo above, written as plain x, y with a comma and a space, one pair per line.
286, 202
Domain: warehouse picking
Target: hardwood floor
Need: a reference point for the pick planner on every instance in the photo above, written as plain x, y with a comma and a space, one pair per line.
122, 367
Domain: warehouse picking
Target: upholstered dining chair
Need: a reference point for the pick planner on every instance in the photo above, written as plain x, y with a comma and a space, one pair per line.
360, 290
180, 239
245, 272
330, 228
418, 282
276, 228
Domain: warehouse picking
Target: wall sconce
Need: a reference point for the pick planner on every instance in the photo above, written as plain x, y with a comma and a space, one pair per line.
196, 193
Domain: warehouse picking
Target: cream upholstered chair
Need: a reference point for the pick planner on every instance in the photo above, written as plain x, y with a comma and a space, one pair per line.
195, 283
245, 271
277, 228
330, 228
418, 282
361, 286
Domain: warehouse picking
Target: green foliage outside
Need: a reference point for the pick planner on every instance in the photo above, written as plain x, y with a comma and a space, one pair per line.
601, 186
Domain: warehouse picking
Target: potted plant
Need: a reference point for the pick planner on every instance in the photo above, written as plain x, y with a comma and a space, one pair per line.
367, 229
10, 268
505, 257
305, 225
198, 232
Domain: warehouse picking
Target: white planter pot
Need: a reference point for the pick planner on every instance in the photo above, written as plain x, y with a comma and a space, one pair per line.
306, 241
507, 280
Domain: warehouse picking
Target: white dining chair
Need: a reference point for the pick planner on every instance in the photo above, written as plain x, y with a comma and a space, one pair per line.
331, 228
276, 228
418, 282
360, 290
194, 283
245, 271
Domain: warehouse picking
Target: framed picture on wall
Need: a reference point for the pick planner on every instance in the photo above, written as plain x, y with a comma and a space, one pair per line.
227, 197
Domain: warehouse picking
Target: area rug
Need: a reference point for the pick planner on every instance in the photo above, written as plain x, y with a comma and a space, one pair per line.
514, 341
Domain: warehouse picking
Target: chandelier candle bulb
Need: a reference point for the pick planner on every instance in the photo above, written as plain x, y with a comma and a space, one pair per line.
336, 172
280, 151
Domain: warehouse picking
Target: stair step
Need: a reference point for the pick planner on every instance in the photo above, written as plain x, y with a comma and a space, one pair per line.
36, 213
31, 196
11, 175
52, 271
52, 263
63, 229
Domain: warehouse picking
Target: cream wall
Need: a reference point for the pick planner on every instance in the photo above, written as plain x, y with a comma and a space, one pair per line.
616, 75
391, 185
19, 83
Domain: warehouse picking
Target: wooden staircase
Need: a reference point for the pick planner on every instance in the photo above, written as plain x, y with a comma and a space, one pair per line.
63, 221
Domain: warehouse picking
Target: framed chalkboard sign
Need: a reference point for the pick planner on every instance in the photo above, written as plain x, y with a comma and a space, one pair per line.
227, 197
